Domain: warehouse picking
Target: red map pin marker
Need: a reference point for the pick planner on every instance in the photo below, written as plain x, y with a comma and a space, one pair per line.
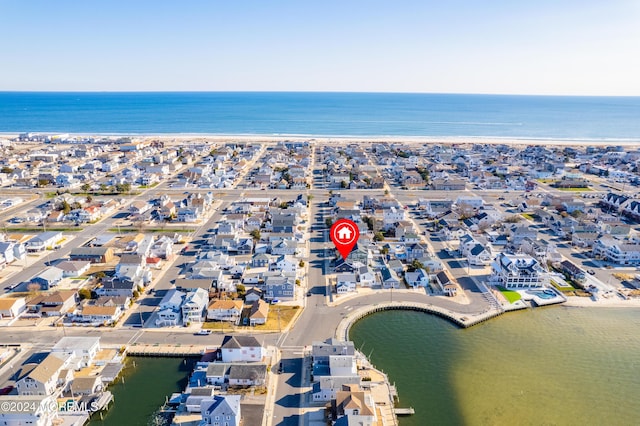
344, 234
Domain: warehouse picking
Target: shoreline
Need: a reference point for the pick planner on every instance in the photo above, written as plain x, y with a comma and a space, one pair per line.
250, 137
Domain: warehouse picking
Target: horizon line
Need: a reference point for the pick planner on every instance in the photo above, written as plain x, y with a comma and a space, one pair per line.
2, 91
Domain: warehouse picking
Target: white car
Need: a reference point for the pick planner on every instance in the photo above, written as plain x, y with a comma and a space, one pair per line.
203, 333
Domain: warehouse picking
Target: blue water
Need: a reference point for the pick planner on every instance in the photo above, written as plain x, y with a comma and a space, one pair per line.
324, 114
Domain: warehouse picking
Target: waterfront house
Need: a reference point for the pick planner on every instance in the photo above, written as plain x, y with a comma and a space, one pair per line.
86, 385
217, 373
196, 396
352, 402
241, 349
517, 271
36, 410
247, 374
221, 410
41, 378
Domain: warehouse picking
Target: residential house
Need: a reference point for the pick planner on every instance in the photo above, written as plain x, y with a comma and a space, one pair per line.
92, 254
48, 278
279, 287
252, 295
621, 252
221, 410
54, 304
517, 271
354, 405
417, 278
73, 269
346, 283
241, 349
40, 378
247, 374
36, 410
446, 284
12, 307
86, 385
99, 314
389, 278
259, 312
43, 241
194, 306
169, 309
225, 310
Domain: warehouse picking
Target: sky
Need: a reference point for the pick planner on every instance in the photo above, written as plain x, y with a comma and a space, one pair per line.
556, 47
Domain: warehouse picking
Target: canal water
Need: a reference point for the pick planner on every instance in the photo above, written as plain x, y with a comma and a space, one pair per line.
147, 381
547, 366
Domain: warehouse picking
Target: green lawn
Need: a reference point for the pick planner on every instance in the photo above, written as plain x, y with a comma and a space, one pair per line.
510, 295
528, 216
575, 189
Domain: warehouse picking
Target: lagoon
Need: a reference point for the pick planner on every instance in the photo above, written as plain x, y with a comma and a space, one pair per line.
554, 365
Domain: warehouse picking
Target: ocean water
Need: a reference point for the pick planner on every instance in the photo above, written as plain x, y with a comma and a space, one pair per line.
546, 366
324, 114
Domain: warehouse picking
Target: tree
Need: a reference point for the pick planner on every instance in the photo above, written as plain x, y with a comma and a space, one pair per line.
42, 182
301, 263
85, 187
369, 221
66, 208
6, 169
84, 293
99, 276
309, 197
328, 221
75, 205
415, 265
103, 187
89, 198
255, 234
241, 290
378, 236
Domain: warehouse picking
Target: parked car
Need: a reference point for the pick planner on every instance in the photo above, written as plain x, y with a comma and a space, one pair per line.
591, 272
203, 333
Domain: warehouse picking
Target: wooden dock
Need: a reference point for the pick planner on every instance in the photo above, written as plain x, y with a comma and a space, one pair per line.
177, 351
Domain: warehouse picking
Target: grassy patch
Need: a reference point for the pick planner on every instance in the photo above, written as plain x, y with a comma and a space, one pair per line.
528, 216
39, 230
575, 189
136, 230
287, 313
546, 180
510, 295
563, 289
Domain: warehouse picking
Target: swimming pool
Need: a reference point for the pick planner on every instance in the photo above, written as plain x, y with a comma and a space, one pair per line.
543, 294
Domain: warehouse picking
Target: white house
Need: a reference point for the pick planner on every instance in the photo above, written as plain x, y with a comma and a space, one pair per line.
346, 283
241, 349
194, 306
81, 349
11, 307
517, 271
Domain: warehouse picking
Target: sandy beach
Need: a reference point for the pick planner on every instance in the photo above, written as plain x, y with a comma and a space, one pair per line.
614, 302
346, 139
